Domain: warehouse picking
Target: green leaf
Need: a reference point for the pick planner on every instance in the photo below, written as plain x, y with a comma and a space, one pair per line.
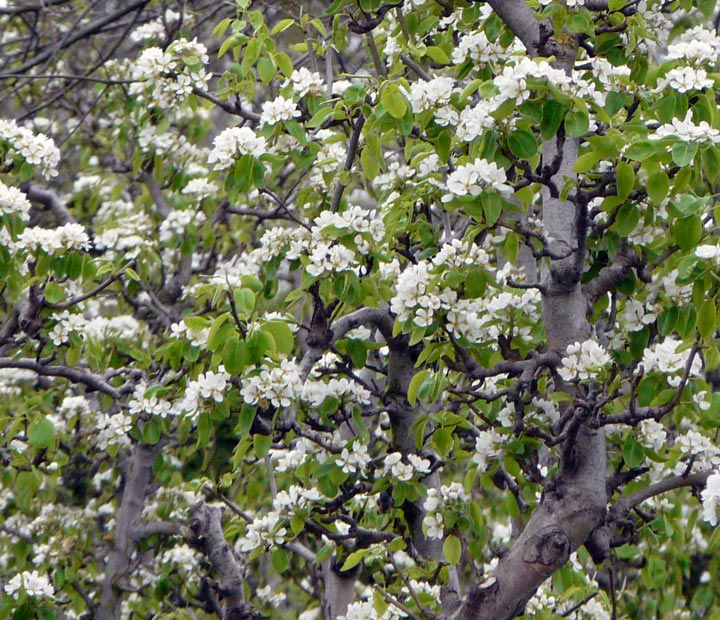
707, 319
443, 441
587, 161
667, 321
522, 144
245, 420
371, 156
633, 452
393, 101
452, 549
217, 335
658, 186
354, 559
335, 6
53, 292
415, 384
319, 117
151, 432
282, 335
577, 123
284, 62
437, 55
244, 300
492, 206
261, 444
551, 119
281, 26
233, 356
625, 177
41, 433
642, 150
266, 69
627, 219
684, 152
687, 231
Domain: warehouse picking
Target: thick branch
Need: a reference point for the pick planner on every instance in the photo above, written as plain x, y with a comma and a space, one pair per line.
628, 502
76, 375
207, 535
50, 200
520, 19
128, 529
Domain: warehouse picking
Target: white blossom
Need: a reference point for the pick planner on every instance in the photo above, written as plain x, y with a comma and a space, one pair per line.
711, 499
233, 142
583, 361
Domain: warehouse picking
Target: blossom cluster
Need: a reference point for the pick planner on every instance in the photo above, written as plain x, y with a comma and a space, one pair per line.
488, 445
394, 465
265, 531
98, 328
316, 392
306, 82
687, 131
208, 385
14, 202
177, 221
36, 149
664, 357
233, 142
471, 179
711, 499
168, 77
684, 79
278, 110
33, 583
70, 236
156, 29
438, 500
112, 429
328, 256
279, 385
583, 361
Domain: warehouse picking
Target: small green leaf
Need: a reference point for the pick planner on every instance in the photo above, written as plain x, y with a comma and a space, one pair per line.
633, 452
53, 292
452, 549
244, 300
437, 54
687, 231
587, 161
261, 444
577, 123
627, 219
522, 144
415, 384
625, 178
684, 152
233, 356
151, 432
642, 150
354, 559
551, 119
707, 319
282, 335
658, 186
282, 25
393, 101
41, 433
492, 206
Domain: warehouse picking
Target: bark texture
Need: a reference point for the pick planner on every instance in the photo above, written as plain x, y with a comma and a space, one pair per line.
128, 530
207, 535
574, 502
